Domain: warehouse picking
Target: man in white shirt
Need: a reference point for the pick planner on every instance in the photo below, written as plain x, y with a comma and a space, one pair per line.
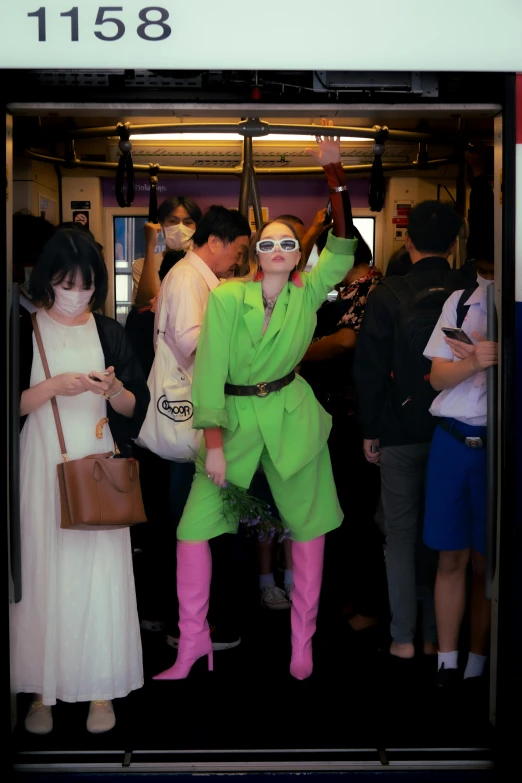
455, 518
220, 245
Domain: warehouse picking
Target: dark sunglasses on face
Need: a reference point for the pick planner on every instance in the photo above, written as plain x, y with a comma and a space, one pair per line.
268, 245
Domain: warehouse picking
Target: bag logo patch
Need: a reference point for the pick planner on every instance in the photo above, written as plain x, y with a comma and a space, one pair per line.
178, 410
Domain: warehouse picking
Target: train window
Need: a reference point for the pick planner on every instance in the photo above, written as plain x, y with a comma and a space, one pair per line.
366, 226
129, 246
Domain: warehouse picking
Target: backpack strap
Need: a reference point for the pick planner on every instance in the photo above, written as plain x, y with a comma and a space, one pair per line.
400, 287
462, 307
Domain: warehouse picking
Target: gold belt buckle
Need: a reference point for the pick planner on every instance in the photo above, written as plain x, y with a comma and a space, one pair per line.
262, 390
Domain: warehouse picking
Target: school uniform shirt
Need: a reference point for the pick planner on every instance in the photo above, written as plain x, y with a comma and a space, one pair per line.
466, 402
137, 269
185, 291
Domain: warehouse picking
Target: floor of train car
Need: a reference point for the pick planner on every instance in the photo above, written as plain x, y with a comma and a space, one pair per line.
357, 697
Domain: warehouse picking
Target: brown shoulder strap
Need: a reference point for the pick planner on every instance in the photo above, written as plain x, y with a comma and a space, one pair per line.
54, 404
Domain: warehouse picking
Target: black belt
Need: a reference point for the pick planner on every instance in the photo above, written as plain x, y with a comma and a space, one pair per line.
471, 441
259, 389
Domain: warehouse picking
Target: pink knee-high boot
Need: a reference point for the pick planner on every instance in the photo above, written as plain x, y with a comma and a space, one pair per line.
307, 571
194, 570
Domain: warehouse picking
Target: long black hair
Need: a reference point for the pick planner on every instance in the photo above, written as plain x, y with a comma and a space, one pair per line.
67, 252
363, 254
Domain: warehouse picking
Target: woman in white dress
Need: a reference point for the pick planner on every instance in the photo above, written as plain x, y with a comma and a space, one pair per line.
75, 632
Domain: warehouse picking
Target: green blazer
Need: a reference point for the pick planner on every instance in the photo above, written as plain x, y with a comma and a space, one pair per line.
290, 423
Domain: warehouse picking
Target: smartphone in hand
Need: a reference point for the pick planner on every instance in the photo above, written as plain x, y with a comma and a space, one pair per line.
328, 215
456, 334
94, 378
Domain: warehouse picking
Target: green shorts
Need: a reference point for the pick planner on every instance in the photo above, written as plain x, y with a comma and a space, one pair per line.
307, 502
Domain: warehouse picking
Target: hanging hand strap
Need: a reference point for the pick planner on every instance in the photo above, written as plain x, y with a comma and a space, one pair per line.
153, 195
377, 190
54, 404
125, 167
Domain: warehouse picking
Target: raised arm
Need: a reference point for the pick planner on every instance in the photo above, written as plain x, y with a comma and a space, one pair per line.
328, 155
148, 285
317, 228
338, 256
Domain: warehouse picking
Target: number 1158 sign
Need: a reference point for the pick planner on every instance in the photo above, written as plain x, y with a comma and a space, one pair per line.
107, 25
120, 34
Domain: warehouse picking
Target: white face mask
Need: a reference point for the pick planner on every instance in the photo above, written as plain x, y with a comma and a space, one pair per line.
71, 303
483, 283
178, 237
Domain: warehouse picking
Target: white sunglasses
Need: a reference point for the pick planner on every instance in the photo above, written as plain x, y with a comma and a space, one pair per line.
268, 245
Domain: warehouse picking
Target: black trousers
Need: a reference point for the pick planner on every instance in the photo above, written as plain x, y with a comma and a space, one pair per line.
354, 557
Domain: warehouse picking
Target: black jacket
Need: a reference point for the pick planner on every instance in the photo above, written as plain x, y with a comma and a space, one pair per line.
118, 353
374, 350
139, 329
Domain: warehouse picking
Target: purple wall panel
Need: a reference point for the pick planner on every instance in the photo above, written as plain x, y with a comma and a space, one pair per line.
301, 197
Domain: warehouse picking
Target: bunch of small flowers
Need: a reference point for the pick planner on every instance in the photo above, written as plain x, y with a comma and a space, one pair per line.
254, 514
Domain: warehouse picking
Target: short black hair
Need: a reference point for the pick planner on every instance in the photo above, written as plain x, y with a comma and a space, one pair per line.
399, 263
172, 203
66, 253
170, 258
290, 219
433, 226
225, 224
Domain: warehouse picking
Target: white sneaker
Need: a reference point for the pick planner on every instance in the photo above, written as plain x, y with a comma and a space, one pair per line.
39, 719
274, 598
152, 625
101, 716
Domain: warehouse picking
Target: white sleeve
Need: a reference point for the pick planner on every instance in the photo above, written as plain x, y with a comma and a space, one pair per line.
437, 348
185, 308
137, 269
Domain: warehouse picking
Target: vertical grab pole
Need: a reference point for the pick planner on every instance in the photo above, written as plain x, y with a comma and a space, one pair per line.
254, 196
244, 191
492, 424
14, 446
460, 190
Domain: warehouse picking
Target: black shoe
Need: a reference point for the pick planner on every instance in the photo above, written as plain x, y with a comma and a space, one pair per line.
475, 691
447, 680
220, 639
156, 626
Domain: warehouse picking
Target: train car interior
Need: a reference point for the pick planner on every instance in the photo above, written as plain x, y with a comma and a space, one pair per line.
107, 162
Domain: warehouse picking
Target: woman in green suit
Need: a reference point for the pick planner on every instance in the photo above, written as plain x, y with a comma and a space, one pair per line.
254, 409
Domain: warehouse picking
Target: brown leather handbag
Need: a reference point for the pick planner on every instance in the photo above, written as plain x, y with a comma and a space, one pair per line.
96, 492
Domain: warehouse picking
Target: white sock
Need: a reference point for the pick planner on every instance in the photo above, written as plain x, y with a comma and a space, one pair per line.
475, 665
288, 580
266, 580
449, 659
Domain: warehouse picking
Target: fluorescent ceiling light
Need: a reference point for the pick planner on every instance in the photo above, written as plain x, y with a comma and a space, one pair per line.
227, 137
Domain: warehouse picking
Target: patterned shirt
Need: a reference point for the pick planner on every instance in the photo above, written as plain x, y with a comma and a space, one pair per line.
333, 377
352, 299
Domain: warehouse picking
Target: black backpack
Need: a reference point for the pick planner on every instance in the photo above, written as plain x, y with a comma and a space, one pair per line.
411, 393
